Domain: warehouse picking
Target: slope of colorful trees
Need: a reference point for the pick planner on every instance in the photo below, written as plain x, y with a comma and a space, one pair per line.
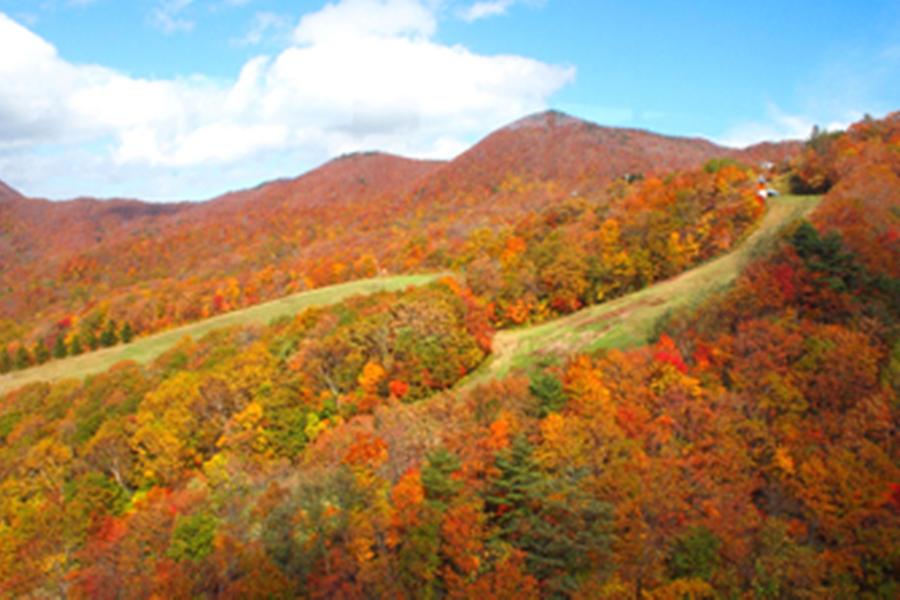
68, 269
751, 451
580, 252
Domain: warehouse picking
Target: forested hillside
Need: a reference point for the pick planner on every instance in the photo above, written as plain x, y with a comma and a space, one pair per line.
749, 451
71, 271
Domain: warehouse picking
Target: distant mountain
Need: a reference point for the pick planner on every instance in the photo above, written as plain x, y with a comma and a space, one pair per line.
548, 156
774, 152
116, 244
39, 230
330, 224
347, 178
553, 145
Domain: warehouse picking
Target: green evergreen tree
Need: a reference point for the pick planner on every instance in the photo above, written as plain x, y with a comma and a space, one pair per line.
6, 361
41, 353
514, 495
76, 348
127, 334
23, 358
694, 554
826, 255
59, 347
436, 476
109, 337
91, 340
419, 558
549, 391
561, 528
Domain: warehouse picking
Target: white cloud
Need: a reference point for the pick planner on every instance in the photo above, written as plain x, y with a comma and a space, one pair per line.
35, 87
167, 15
216, 142
482, 10
266, 27
351, 19
358, 75
779, 125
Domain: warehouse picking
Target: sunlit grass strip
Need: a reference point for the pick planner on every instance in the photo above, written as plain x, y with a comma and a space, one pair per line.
145, 349
630, 320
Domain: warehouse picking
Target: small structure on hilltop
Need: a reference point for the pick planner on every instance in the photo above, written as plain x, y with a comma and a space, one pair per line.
762, 190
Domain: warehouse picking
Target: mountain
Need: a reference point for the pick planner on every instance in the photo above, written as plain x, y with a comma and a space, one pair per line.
67, 228
7, 192
119, 244
43, 229
346, 179
706, 427
774, 152
354, 216
549, 156
554, 146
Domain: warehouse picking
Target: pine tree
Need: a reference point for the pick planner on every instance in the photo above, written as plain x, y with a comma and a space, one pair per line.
90, 339
694, 554
439, 487
549, 391
23, 358
59, 347
41, 353
514, 495
561, 529
76, 348
6, 361
109, 337
420, 555
826, 255
127, 334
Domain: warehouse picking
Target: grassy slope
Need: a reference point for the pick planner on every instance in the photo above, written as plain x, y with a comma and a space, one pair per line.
630, 320
620, 323
146, 349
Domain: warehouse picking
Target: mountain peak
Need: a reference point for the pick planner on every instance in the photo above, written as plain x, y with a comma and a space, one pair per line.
362, 155
372, 165
548, 119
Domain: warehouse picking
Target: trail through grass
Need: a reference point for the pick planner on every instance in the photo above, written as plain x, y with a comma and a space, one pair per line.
630, 320
621, 323
145, 349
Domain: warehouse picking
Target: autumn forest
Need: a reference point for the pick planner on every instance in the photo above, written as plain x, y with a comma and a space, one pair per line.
744, 446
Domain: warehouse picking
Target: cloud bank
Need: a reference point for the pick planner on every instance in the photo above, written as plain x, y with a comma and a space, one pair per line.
355, 75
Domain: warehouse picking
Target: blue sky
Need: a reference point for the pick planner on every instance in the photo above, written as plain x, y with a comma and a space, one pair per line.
186, 99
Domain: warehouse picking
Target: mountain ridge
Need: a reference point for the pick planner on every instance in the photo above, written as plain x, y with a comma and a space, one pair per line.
355, 216
548, 120
8, 192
